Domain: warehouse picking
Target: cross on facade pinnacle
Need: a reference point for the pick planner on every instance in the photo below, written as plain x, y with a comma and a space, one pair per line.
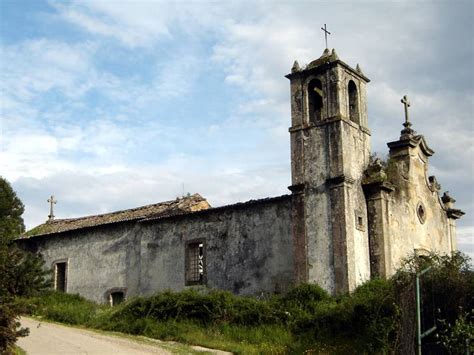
52, 202
407, 131
326, 32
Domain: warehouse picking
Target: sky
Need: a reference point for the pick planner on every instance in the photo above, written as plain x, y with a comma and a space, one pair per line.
111, 105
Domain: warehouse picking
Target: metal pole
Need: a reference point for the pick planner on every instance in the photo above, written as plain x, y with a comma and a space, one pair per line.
418, 310
418, 313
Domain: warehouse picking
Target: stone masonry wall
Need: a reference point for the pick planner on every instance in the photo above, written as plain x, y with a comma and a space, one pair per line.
248, 251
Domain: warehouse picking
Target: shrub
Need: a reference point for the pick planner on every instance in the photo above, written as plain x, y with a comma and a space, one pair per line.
377, 317
206, 308
447, 290
369, 315
60, 307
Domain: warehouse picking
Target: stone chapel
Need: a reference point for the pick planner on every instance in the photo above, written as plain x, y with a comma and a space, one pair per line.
349, 216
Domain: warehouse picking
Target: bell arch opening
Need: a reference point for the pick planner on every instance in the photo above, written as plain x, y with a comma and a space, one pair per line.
315, 100
353, 102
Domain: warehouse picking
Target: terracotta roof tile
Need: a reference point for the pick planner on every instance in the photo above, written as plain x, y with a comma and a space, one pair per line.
179, 206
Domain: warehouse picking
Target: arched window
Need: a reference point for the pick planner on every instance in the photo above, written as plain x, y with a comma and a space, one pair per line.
353, 102
315, 100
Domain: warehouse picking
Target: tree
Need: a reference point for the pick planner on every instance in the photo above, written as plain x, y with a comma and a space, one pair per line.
22, 273
11, 209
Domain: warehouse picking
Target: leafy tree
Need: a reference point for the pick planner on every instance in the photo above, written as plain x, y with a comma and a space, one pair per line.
22, 273
447, 291
11, 209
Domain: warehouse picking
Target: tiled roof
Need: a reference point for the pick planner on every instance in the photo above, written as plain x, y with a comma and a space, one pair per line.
234, 206
179, 206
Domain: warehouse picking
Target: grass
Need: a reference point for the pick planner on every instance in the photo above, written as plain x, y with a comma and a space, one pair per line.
306, 320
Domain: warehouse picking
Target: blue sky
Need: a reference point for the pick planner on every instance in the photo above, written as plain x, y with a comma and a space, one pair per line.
115, 104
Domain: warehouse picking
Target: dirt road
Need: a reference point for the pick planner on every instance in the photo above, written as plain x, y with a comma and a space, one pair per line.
52, 339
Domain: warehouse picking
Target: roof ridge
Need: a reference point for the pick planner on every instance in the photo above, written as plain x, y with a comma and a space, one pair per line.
126, 210
178, 205
211, 209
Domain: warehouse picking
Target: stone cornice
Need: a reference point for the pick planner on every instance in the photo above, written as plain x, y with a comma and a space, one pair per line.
297, 189
323, 66
328, 121
340, 180
454, 213
374, 187
412, 142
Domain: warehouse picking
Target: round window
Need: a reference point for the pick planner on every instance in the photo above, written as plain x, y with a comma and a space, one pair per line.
420, 211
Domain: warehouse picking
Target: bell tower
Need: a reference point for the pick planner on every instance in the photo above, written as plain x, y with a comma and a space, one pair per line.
330, 148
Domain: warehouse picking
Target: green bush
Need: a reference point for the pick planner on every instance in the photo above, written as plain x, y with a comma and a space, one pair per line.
369, 315
447, 291
206, 308
377, 317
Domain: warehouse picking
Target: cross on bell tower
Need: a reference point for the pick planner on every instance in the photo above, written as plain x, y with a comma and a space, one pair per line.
52, 202
326, 33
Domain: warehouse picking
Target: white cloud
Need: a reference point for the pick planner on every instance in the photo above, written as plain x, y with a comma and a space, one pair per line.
87, 163
133, 25
177, 76
36, 66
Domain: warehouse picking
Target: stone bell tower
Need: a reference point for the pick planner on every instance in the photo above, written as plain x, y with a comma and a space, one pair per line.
330, 148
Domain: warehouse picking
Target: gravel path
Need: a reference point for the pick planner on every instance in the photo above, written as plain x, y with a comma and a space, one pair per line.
51, 339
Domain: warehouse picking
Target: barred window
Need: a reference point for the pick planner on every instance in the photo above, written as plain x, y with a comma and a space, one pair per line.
195, 263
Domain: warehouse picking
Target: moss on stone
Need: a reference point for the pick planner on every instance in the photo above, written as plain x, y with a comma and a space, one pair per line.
44, 228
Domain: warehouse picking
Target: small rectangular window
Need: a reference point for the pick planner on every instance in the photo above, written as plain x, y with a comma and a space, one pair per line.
116, 295
195, 263
60, 276
116, 298
359, 221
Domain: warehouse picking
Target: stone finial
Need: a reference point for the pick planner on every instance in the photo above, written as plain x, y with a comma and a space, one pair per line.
375, 172
334, 54
326, 52
358, 69
296, 67
448, 200
434, 184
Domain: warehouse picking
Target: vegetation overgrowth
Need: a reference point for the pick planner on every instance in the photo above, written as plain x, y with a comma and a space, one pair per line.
21, 273
378, 317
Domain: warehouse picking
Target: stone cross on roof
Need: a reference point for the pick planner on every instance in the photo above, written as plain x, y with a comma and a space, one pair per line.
52, 202
326, 32
407, 131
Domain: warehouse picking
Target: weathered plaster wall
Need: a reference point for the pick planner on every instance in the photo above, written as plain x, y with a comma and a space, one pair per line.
329, 157
397, 229
247, 250
98, 259
407, 232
